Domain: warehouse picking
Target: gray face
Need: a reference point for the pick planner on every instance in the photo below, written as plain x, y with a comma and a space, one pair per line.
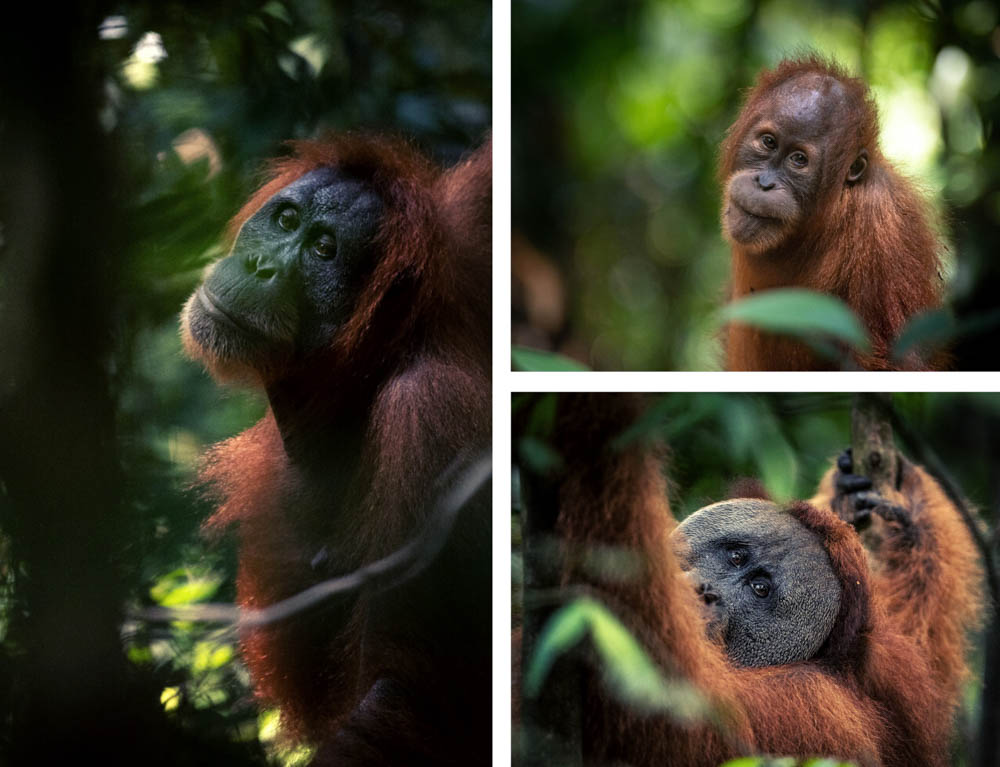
765, 581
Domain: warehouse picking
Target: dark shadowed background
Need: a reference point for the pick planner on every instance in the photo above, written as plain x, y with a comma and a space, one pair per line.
129, 133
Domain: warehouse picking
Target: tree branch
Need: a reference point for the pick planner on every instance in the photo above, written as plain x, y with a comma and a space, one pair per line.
390, 571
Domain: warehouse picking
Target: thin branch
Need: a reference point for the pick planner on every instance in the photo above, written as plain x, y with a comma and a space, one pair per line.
390, 571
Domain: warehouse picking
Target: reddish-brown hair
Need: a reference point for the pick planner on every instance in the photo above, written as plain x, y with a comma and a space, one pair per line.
381, 425
871, 244
881, 691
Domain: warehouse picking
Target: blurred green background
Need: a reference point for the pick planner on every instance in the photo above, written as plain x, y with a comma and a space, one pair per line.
618, 110
200, 98
191, 100
789, 441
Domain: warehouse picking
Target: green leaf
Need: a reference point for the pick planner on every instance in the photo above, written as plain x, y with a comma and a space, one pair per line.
195, 590
209, 655
799, 313
535, 360
170, 698
278, 11
932, 328
564, 629
542, 421
538, 456
313, 50
629, 672
182, 588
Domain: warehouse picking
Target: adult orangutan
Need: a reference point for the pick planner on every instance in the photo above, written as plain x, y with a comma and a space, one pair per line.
356, 294
811, 202
800, 642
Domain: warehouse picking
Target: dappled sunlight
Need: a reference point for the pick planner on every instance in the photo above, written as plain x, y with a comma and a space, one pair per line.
141, 70
132, 136
911, 127
113, 28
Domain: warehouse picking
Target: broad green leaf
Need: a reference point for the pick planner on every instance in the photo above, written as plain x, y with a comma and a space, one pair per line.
629, 672
538, 456
542, 420
182, 588
170, 698
931, 328
139, 655
776, 459
826, 763
535, 360
673, 418
799, 313
564, 629
278, 11
269, 724
313, 50
209, 655
193, 591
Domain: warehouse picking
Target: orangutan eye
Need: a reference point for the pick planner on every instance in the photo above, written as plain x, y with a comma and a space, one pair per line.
799, 159
737, 557
769, 141
288, 219
325, 246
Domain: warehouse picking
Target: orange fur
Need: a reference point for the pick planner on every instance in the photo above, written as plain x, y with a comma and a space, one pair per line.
870, 244
348, 466
883, 689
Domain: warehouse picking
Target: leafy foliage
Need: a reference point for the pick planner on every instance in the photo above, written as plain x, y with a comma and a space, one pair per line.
811, 317
629, 672
787, 441
533, 360
196, 98
618, 260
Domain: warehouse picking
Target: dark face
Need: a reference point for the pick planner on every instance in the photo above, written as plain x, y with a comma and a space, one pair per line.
767, 589
291, 279
785, 160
